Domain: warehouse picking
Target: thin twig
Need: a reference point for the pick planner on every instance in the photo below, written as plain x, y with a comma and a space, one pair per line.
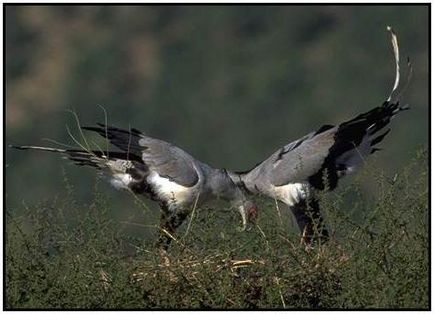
106, 130
57, 142
192, 215
76, 141
129, 141
77, 120
278, 211
100, 150
138, 225
280, 292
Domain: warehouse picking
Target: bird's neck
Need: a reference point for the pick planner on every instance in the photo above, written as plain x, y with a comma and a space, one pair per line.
217, 183
242, 181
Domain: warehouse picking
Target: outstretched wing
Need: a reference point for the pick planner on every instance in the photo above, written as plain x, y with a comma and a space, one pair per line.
168, 160
331, 151
295, 162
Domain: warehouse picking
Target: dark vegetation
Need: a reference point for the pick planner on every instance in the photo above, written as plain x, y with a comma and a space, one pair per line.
377, 258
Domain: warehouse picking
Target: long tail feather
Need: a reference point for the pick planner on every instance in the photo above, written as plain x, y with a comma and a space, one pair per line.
125, 171
93, 158
48, 149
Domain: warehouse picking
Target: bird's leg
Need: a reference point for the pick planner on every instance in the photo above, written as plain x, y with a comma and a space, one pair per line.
168, 225
166, 229
310, 221
166, 232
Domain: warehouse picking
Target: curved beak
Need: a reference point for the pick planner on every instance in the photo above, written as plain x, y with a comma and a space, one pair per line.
249, 214
243, 213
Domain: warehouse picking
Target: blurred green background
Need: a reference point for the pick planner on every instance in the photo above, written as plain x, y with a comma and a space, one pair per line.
229, 84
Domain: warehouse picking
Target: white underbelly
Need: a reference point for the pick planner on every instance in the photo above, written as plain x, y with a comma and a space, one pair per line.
290, 194
121, 180
171, 192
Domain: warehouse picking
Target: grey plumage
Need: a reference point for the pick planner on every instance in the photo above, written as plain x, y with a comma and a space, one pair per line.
299, 160
317, 161
160, 171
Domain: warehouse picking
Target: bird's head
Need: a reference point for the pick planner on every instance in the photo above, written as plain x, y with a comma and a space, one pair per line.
249, 213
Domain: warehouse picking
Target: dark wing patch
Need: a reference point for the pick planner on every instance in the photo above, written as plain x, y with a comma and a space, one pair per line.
324, 128
166, 159
378, 139
349, 135
126, 140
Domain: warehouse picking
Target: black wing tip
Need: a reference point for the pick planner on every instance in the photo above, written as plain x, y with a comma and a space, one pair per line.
375, 149
395, 105
404, 108
379, 138
91, 128
105, 127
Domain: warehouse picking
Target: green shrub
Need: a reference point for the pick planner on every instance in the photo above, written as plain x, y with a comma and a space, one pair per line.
66, 255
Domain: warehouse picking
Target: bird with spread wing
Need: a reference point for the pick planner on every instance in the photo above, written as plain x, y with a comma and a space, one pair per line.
316, 161
160, 171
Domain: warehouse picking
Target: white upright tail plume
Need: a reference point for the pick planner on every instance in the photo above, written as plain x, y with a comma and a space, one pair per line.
395, 47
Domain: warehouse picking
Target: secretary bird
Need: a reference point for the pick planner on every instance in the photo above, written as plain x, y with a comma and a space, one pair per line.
317, 161
162, 172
